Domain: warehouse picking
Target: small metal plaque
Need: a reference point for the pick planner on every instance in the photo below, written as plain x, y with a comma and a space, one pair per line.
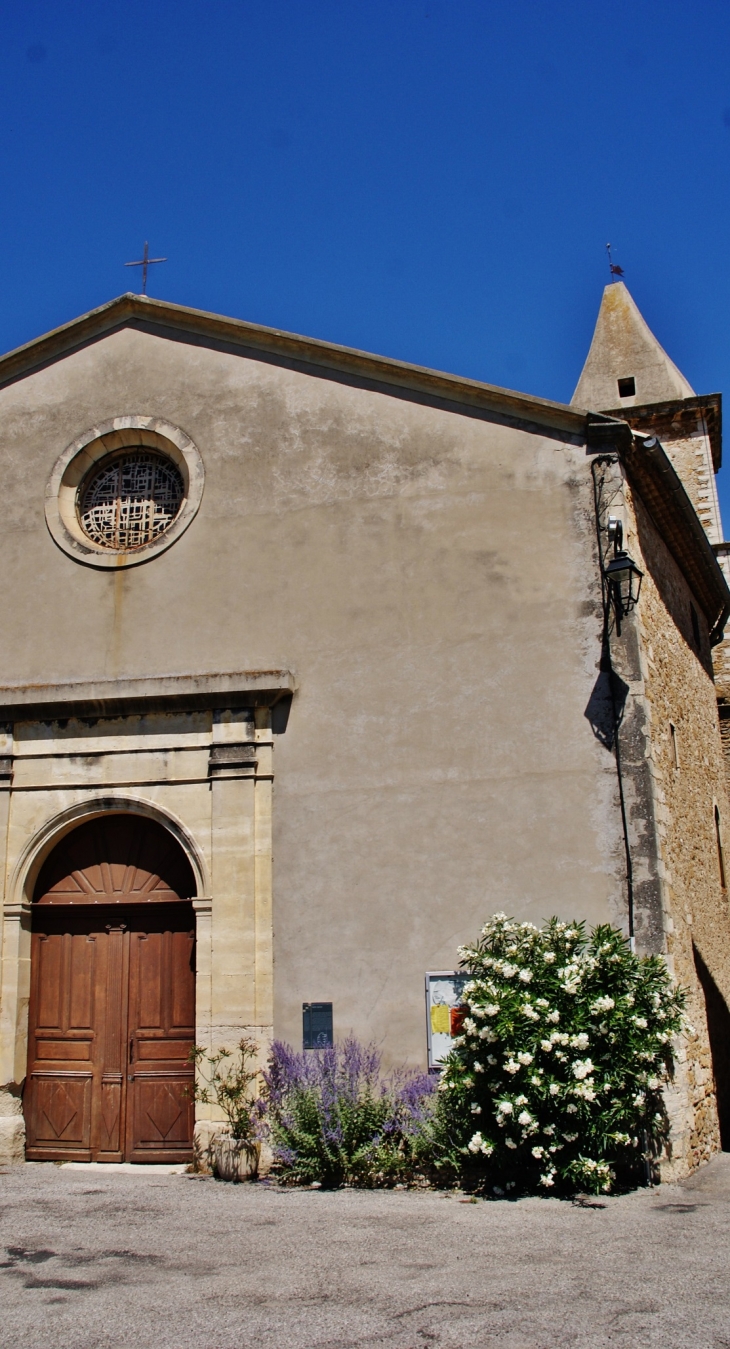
317, 1025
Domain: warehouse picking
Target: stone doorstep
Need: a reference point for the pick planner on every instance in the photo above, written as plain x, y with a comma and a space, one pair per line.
131, 1168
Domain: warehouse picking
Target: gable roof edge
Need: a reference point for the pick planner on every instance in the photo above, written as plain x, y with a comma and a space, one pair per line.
138, 309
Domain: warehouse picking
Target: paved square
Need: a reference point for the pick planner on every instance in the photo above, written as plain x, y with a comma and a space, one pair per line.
123, 1260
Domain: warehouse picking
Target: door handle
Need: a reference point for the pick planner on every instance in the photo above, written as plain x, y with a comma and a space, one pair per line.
131, 1049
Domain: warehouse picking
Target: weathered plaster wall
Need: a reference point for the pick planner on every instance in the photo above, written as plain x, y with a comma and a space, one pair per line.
689, 781
430, 577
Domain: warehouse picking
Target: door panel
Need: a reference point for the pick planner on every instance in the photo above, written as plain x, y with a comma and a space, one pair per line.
112, 1015
63, 1049
82, 987
110, 1097
109, 1126
159, 1119
160, 1109
62, 1113
66, 977
182, 1005
148, 980
149, 1050
48, 966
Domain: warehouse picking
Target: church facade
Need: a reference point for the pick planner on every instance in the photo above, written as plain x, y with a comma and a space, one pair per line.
311, 661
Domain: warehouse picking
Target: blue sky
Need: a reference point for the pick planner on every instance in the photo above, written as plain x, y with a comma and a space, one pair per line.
431, 179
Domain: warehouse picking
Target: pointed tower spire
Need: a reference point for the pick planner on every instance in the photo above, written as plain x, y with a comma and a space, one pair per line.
626, 366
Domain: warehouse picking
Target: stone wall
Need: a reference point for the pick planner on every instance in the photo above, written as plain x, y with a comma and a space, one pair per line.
691, 456
685, 751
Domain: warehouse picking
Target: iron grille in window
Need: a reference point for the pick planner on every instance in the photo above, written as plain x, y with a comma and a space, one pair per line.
131, 500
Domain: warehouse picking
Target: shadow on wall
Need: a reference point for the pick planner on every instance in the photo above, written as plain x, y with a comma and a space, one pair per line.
606, 705
718, 1026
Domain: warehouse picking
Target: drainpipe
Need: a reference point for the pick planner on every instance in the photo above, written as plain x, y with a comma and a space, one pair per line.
604, 461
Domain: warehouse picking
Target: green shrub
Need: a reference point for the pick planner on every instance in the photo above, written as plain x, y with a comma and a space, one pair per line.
555, 1083
224, 1079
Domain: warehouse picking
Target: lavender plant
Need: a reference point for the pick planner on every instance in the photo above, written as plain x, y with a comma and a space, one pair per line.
334, 1119
556, 1081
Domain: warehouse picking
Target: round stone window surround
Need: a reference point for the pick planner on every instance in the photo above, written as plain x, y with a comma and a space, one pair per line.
73, 467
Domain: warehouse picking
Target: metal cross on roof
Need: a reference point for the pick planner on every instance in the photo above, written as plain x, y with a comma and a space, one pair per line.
145, 262
615, 270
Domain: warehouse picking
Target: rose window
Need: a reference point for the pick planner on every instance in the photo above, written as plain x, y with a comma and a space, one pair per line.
130, 500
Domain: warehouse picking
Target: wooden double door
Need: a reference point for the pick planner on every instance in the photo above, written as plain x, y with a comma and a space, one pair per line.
112, 1011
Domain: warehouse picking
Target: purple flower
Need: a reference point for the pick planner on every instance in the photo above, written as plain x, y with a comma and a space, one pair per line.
332, 1115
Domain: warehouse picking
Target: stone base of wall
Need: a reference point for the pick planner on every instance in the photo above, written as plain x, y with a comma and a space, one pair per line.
692, 1111
12, 1127
203, 1135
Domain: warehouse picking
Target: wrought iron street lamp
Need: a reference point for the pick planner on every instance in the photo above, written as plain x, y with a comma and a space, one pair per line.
623, 576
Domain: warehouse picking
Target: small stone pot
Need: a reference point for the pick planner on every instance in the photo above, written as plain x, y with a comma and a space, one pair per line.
235, 1158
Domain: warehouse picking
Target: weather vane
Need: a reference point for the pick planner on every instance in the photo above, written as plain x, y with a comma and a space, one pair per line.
145, 262
614, 268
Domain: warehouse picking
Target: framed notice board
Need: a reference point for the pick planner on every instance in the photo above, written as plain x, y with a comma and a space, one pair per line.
445, 1012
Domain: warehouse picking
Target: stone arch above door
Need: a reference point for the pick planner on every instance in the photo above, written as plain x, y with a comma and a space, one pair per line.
40, 844
115, 859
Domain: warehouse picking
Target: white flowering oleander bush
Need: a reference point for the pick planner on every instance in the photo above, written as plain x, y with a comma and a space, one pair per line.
555, 1084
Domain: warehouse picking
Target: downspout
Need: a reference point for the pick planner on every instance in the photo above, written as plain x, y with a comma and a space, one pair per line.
606, 667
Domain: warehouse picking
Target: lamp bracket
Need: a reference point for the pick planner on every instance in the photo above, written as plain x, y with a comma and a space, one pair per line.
615, 533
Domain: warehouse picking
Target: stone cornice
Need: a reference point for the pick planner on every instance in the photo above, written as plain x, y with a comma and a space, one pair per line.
127, 697
676, 417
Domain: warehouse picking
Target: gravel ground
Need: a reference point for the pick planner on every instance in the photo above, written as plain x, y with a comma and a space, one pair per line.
100, 1260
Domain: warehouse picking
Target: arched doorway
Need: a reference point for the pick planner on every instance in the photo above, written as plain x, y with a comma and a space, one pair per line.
112, 1003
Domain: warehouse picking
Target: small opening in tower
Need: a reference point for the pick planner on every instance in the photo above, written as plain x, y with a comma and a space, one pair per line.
627, 387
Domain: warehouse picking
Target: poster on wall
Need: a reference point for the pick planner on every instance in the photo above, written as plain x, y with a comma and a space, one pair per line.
445, 1013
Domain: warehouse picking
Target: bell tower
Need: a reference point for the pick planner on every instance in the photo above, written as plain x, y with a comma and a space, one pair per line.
629, 375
